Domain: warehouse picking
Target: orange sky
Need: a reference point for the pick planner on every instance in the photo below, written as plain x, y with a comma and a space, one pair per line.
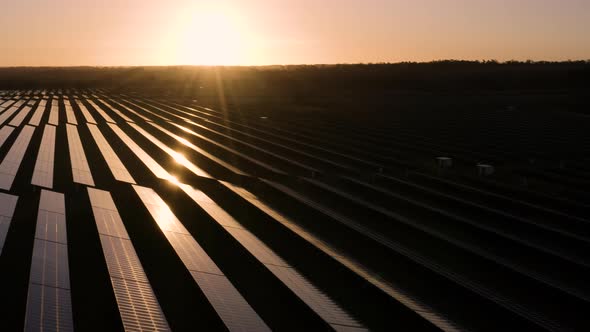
260, 32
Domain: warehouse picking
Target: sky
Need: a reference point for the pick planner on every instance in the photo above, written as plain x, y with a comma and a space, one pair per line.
268, 32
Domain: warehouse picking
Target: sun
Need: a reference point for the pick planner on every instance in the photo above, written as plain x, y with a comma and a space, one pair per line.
212, 36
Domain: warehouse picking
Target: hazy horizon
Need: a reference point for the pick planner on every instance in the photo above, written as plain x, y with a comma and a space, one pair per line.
304, 64
262, 32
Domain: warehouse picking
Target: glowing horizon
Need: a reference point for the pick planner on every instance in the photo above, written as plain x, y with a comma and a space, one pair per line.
265, 32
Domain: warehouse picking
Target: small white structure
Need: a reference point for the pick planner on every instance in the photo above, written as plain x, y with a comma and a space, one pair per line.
444, 162
485, 170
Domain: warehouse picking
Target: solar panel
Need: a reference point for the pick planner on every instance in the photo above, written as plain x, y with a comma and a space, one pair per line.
54, 113
119, 113
80, 169
49, 265
146, 110
228, 303
190, 252
303, 288
333, 252
198, 149
106, 215
231, 307
89, 118
100, 111
121, 259
7, 114
136, 300
256, 247
138, 306
36, 118
130, 110
179, 158
231, 150
70, 115
7, 206
11, 163
141, 154
49, 300
256, 147
43, 172
4, 133
48, 309
315, 298
18, 119
114, 163
51, 226
357, 225
160, 211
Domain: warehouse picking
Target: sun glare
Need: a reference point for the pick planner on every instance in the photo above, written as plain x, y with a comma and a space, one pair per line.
212, 37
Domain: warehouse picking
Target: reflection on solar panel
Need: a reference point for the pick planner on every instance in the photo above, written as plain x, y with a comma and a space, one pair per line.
115, 165
227, 301
288, 160
49, 301
70, 115
54, 113
130, 110
153, 166
100, 111
338, 255
307, 292
89, 118
119, 113
137, 302
147, 110
18, 119
7, 114
43, 173
199, 150
80, 169
179, 158
233, 151
36, 118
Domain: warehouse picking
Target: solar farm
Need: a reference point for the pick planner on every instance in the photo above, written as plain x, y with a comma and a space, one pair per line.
126, 211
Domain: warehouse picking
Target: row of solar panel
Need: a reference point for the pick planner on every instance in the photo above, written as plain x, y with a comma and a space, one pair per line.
159, 144
159, 127
563, 285
210, 121
49, 304
160, 172
205, 273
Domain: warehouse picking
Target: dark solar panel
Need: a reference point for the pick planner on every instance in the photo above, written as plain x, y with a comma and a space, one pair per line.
179, 213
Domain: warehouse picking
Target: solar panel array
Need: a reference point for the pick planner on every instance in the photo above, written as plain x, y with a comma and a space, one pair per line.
121, 211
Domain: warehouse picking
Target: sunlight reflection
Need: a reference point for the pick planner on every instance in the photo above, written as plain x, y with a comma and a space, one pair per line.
179, 158
174, 180
159, 210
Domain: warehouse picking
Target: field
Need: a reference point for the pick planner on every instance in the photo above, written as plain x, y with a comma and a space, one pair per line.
307, 198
